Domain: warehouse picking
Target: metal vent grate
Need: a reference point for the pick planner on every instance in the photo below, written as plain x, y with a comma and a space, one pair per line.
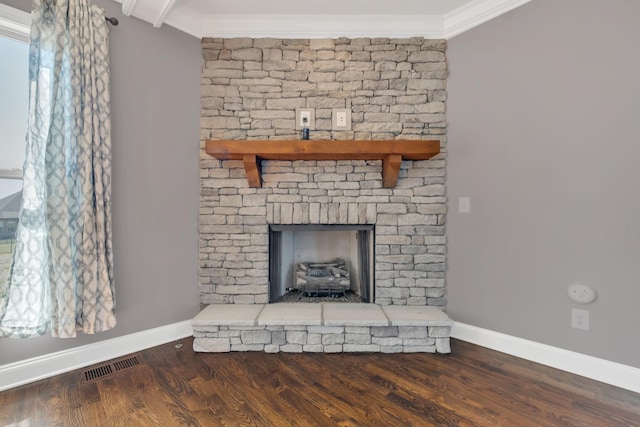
126, 363
110, 368
98, 372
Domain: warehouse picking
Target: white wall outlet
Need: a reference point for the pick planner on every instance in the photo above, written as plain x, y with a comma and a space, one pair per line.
580, 319
581, 293
305, 118
341, 119
464, 204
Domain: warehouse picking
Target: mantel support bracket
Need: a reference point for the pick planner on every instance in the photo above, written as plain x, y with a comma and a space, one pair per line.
252, 168
391, 170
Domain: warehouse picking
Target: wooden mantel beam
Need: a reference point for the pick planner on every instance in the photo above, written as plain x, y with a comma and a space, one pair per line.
391, 152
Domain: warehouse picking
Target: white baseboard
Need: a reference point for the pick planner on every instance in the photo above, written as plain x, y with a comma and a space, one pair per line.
30, 370
48, 365
612, 373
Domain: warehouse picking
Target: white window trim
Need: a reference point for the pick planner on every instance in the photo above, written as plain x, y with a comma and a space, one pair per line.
16, 25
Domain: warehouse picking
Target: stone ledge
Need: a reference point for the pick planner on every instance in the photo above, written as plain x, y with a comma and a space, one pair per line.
296, 313
321, 314
323, 327
227, 314
412, 315
354, 315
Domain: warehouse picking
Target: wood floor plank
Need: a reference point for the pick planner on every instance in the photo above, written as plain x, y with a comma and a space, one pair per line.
539, 397
371, 404
18, 406
473, 386
285, 398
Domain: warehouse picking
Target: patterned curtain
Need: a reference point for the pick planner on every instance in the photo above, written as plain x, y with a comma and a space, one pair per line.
61, 276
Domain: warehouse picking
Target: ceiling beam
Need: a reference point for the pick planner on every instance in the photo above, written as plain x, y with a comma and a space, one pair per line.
164, 11
128, 6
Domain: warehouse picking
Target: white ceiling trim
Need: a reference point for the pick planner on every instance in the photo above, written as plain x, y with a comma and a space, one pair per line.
163, 12
15, 24
128, 6
172, 13
147, 10
322, 26
475, 13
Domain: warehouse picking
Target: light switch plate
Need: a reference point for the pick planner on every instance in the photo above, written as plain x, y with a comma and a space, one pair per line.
305, 112
341, 119
464, 204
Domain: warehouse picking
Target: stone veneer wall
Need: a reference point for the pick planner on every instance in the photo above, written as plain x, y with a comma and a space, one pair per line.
396, 89
322, 339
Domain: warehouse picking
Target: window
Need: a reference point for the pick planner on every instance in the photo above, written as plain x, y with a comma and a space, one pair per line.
14, 87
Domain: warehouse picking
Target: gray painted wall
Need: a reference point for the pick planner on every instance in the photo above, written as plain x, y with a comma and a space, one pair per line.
543, 136
155, 94
541, 112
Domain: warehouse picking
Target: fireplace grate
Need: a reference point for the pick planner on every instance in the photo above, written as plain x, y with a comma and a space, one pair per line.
319, 272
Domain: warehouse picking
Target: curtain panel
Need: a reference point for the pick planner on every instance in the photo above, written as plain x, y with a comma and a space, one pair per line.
61, 276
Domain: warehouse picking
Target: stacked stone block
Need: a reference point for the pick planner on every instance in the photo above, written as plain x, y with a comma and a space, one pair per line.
395, 88
322, 339
321, 327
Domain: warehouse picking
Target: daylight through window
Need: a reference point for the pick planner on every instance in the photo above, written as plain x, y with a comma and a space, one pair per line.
14, 87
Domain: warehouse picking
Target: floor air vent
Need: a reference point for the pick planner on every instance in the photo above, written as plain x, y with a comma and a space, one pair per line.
99, 372
126, 363
110, 368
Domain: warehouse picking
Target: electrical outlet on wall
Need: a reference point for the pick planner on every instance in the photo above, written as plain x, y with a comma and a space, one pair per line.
305, 118
341, 119
580, 319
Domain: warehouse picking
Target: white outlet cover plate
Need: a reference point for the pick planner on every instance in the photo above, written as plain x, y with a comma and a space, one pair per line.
580, 319
464, 204
312, 118
581, 293
334, 119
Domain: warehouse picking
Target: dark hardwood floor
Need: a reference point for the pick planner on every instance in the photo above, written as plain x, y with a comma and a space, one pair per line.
473, 386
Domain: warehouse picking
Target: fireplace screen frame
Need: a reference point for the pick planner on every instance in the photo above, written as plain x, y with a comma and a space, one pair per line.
366, 255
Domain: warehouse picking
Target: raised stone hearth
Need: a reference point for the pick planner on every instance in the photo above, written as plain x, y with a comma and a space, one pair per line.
322, 328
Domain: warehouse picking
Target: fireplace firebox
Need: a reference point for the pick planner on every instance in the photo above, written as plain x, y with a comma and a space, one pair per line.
310, 263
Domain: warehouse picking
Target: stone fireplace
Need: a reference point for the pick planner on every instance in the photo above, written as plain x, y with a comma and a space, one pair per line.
395, 89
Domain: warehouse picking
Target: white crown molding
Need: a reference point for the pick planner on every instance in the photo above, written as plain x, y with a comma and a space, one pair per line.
616, 374
475, 13
179, 16
322, 26
38, 368
15, 24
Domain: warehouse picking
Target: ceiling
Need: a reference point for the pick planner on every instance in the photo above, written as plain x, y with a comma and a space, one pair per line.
319, 19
